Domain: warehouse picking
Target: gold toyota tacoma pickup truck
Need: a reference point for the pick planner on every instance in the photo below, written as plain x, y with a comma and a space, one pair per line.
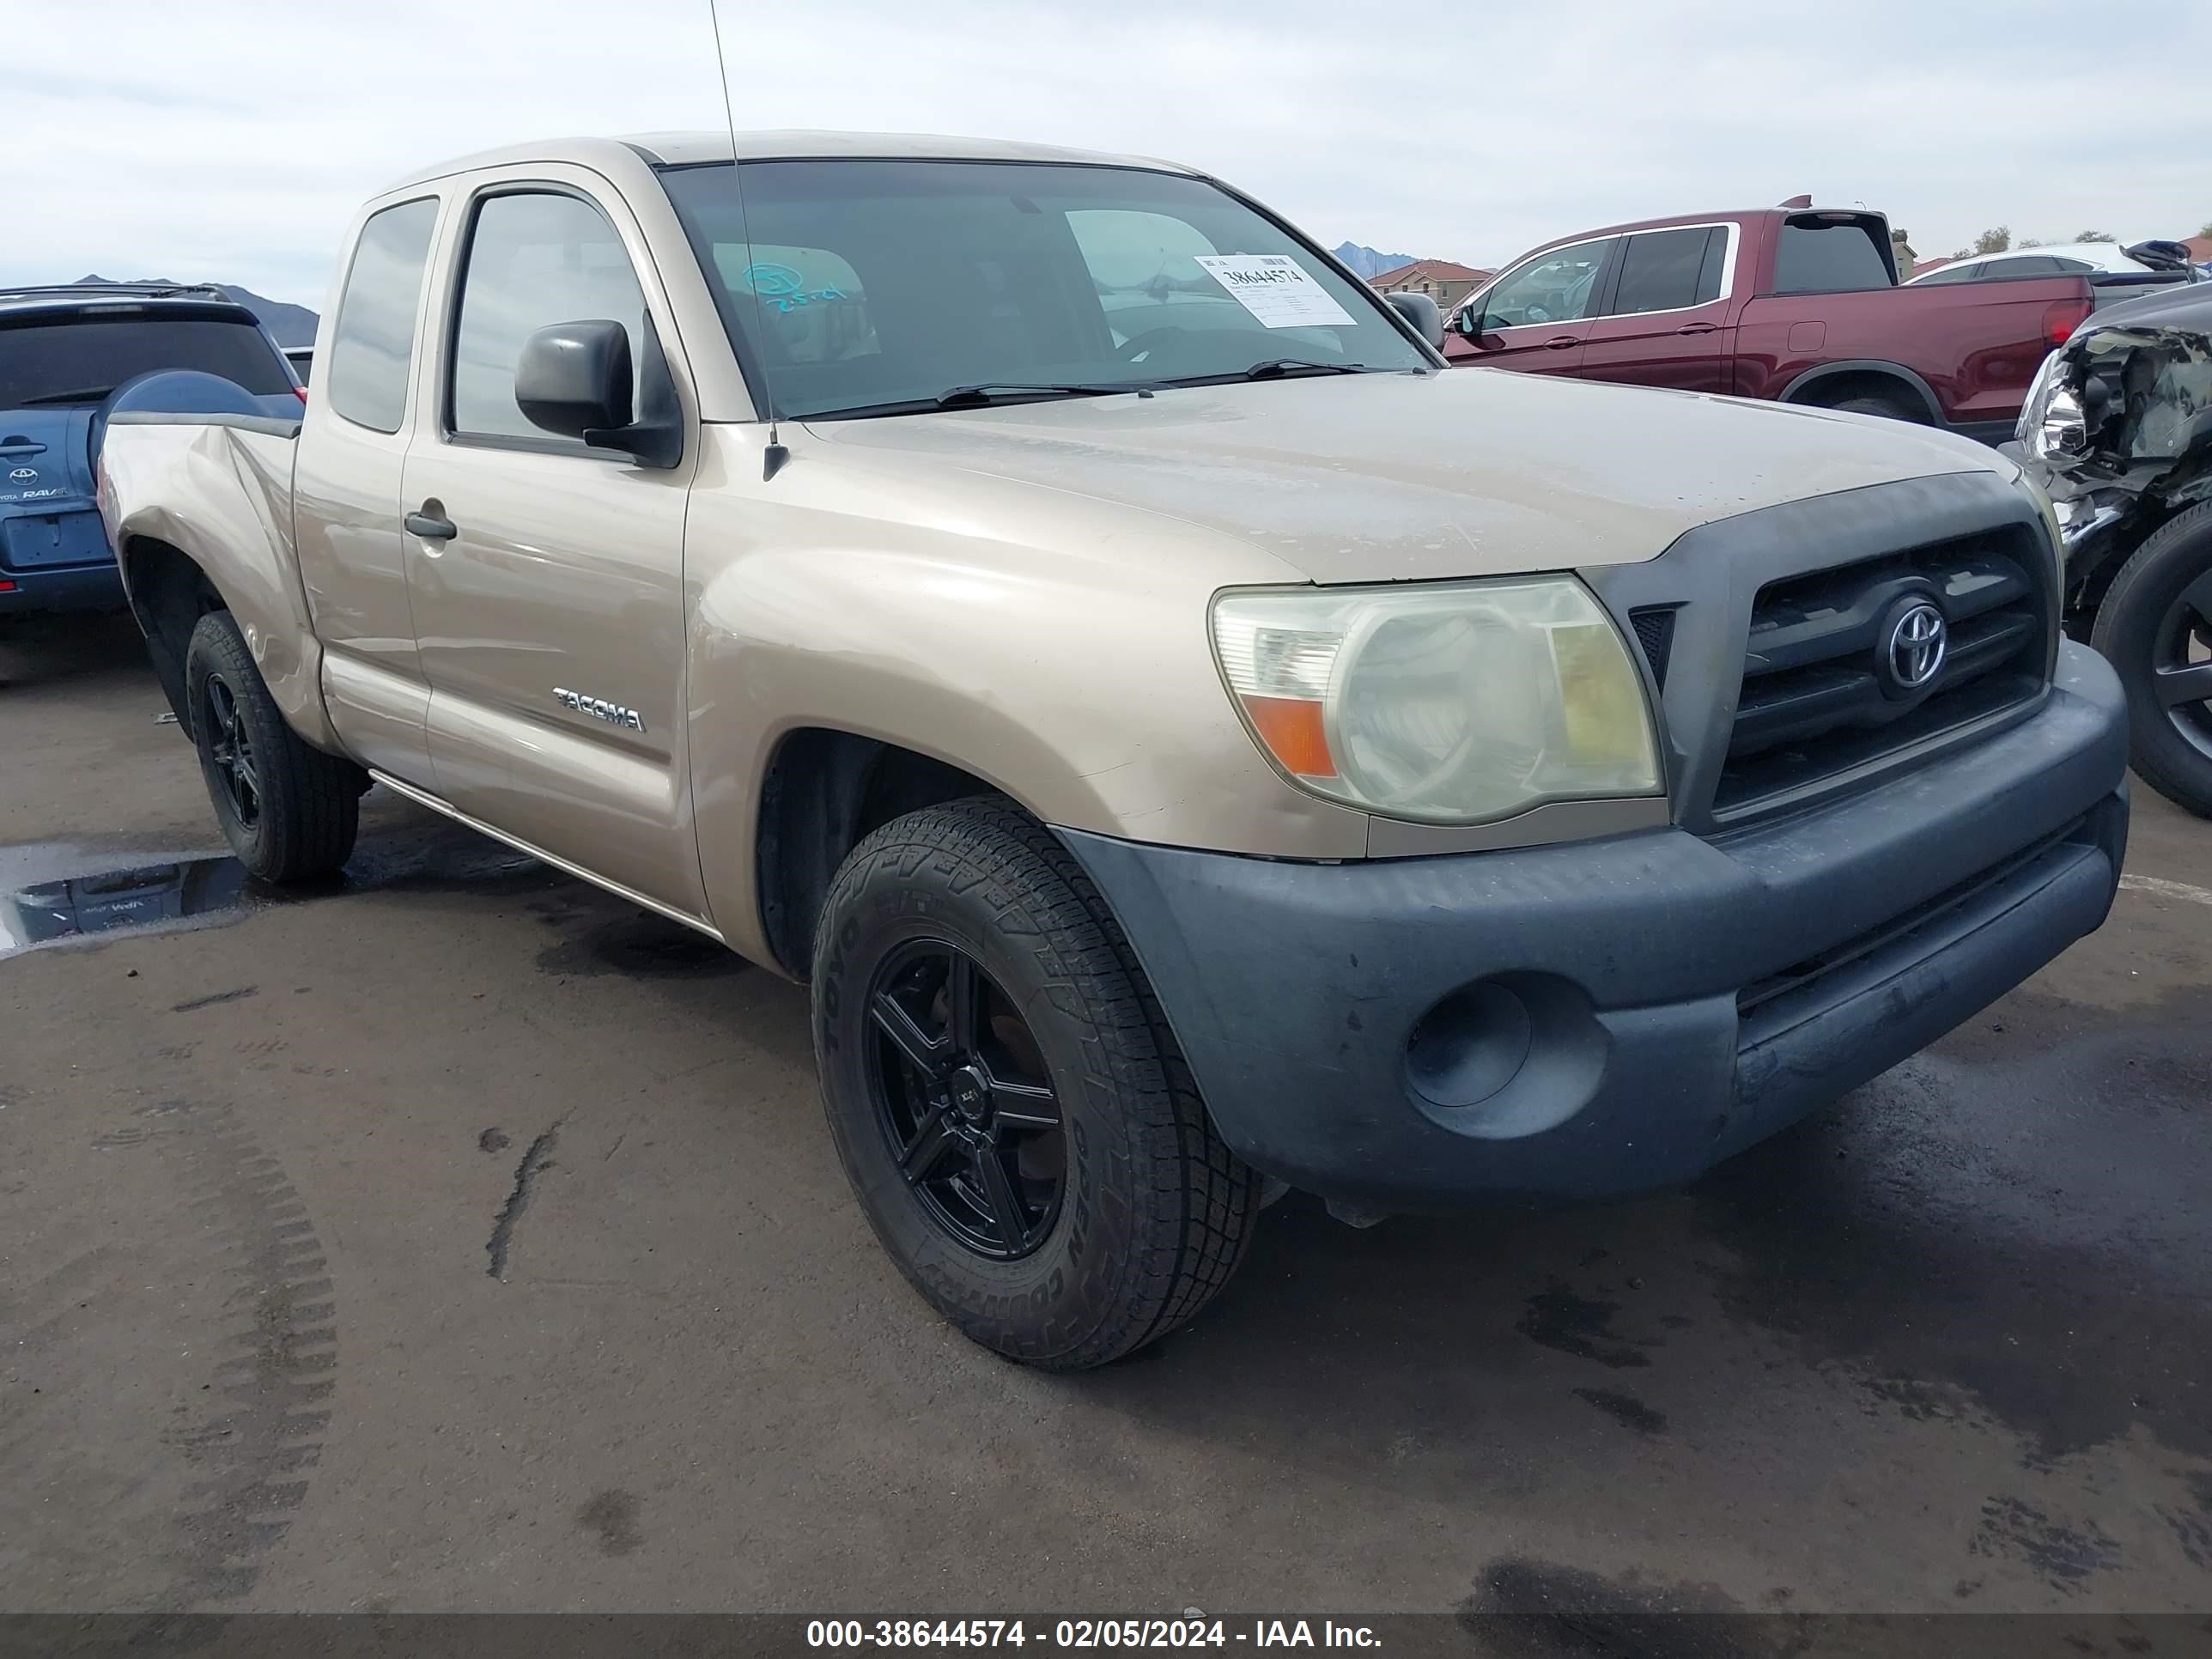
1188, 741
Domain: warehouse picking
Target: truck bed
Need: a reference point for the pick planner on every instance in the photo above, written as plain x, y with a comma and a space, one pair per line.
218, 489
1975, 346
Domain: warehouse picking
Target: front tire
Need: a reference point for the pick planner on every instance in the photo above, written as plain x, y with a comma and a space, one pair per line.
1011, 1110
288, 811
2154, 624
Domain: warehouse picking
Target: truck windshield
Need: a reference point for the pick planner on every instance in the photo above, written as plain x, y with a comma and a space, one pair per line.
81, 360
878, 286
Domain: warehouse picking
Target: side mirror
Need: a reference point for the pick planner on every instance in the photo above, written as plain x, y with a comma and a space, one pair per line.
573, 379
1467, 323
1421, 312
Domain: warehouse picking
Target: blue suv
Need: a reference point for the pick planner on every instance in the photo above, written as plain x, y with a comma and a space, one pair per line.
63, 352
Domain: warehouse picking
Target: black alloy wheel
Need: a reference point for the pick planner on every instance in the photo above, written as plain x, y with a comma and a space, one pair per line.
2154, 626
1019, 1127
230, 751
965, 1101
2181, 664
289, 812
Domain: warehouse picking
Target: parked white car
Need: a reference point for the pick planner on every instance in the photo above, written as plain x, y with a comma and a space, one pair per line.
2068, 259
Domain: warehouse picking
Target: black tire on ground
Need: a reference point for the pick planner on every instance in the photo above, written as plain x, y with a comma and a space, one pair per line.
2140, 620
289, 811
1148, 1214
1895, 409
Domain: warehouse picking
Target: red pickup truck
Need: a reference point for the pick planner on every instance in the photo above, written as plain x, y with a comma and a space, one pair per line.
1795, 303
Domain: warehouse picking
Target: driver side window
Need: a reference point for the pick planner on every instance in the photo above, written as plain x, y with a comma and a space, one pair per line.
535, 257
1557, 287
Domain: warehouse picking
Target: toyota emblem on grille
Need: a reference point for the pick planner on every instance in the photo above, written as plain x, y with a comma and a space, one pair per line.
1916, 642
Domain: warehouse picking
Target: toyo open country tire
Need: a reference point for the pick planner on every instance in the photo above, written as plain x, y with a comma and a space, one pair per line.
2161, 600
288, 810
1040, 1165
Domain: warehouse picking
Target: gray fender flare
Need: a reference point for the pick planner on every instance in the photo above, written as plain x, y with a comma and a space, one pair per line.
1796, 391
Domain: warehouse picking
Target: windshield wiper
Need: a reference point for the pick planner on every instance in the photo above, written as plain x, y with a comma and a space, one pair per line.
1276, 366
83, 394
991, 391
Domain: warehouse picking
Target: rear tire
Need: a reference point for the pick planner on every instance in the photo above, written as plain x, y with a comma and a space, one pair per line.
288, 811
2154, 621
1891, 409
1119, 1211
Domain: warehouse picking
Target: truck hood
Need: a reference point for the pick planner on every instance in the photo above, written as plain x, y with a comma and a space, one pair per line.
1401, 477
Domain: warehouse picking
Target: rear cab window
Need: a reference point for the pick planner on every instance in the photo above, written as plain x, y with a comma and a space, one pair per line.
1671, 269
1825, 253
373, 341
77, 360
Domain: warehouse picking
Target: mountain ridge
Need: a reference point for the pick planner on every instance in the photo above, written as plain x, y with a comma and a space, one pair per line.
1370, 262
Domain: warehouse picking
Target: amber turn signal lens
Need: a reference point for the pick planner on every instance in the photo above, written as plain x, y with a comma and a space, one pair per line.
1291, 728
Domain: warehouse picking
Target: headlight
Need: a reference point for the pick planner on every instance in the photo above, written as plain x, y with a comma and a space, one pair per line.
1445, 703
2050, 423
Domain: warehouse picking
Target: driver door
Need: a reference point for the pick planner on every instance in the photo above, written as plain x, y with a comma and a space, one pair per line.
546, 577
1536, 317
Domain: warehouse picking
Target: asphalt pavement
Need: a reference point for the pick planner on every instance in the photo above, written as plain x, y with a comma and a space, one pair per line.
457, 1237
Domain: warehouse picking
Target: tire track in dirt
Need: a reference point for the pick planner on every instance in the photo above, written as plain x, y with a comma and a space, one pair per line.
253, 1452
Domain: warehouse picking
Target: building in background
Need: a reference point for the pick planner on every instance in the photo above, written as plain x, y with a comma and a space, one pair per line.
1900, 243
1442, 280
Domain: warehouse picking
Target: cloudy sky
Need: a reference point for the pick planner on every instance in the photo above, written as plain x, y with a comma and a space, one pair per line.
230, 140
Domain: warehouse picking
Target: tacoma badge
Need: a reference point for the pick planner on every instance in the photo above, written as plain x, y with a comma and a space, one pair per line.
599, 708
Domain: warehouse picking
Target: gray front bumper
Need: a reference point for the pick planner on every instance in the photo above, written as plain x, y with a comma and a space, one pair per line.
1644, 1006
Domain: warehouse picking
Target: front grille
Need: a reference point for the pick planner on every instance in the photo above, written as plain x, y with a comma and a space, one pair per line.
1820, 696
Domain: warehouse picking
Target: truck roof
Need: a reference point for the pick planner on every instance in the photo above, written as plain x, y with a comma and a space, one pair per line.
1715, 214
692, 149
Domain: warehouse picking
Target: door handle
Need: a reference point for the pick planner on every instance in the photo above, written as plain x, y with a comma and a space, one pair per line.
1561, 342
431, 523
1698, 328
25, 448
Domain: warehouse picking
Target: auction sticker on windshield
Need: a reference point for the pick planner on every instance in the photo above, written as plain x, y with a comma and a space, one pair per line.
1275, 288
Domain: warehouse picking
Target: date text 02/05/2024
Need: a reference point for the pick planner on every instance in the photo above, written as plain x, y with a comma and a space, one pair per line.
1194, 1632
